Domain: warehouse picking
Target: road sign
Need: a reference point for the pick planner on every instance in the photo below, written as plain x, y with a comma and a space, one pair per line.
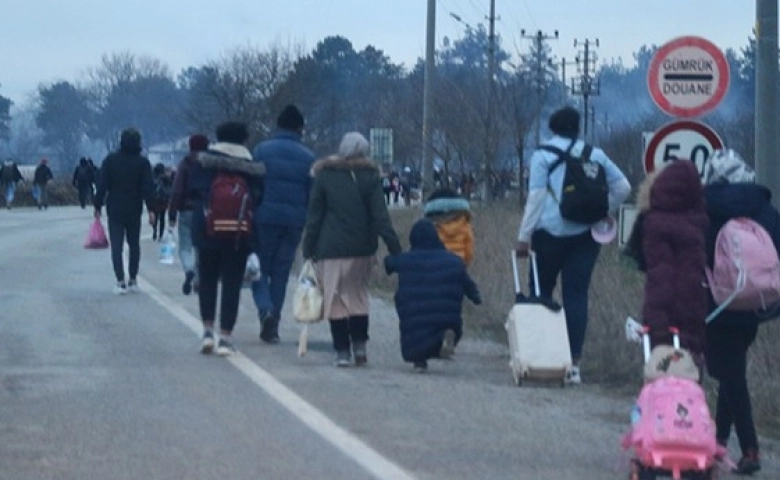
626, 219
681, 139
688, 77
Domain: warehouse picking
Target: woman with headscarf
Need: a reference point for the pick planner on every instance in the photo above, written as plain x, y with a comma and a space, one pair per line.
731, 192
346, 216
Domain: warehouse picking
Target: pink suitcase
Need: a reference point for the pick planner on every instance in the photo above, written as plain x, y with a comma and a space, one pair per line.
672, 431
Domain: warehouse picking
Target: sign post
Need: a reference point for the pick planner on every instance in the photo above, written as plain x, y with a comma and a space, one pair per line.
688, 77
681, 140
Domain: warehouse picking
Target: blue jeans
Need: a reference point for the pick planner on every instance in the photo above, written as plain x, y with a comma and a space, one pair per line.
275, 245
187, 253
10, 192
573, 258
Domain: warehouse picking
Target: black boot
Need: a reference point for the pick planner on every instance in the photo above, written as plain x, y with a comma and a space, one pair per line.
358, 332
269, 332
339, 330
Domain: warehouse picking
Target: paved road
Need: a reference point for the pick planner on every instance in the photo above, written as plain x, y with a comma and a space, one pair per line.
96, 386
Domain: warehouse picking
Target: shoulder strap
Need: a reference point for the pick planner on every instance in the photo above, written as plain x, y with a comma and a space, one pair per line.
560, 153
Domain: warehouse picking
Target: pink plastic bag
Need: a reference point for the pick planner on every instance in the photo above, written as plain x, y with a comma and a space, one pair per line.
96, 237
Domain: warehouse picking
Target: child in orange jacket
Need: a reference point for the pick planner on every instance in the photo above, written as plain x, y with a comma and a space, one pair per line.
451, 214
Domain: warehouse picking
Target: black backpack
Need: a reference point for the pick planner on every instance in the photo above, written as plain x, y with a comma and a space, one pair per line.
584, 194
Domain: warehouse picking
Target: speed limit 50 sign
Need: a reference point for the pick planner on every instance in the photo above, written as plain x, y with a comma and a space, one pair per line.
681, 140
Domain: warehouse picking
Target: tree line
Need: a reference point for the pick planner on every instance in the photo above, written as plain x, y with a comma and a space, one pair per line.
340, 89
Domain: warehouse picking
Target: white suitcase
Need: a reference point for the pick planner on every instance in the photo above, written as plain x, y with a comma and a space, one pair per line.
538, 337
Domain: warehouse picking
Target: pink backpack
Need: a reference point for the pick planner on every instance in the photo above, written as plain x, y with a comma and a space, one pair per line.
746, 271
674, 430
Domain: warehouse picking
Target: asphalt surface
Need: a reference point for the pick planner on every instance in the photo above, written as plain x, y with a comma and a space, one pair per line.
99, 386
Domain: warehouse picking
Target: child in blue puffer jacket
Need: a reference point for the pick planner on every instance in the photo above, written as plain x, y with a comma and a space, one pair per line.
432, 282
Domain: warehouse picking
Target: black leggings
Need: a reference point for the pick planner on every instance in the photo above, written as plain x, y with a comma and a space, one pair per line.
226, 265
121, 229
158, 229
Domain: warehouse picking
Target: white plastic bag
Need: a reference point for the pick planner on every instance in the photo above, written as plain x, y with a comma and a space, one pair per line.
307, 303
252, 270
168, 248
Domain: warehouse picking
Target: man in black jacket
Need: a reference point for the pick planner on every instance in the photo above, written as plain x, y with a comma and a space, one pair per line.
125, 183
41, 183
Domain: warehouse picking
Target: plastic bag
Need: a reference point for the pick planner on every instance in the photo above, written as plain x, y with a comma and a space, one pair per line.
252, 270
96, 237
307, 303
168, 248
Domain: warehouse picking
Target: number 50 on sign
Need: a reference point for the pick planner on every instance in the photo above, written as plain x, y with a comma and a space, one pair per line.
681, 140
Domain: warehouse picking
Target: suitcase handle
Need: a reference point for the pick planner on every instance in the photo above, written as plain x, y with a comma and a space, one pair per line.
646, 340
534, 271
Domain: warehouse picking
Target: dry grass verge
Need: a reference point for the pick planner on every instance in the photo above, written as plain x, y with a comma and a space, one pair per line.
616, 292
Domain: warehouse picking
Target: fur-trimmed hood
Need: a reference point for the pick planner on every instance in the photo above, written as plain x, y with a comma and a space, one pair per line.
339, 163
230, 157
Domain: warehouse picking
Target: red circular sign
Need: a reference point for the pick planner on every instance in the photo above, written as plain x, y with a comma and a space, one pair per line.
681, 139
688, 77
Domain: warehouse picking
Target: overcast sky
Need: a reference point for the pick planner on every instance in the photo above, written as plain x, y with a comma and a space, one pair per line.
52, 40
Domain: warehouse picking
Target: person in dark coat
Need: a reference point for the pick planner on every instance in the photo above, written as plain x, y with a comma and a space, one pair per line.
9, 177
280, 219
163, 185
41, 179
125, 183
432, 282
220, 260
180, 212
731, 192
83, 180
673, 246
346, 217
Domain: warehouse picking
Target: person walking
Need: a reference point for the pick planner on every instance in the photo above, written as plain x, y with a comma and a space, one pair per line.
673, 221
41, 179
432, 282
346, 216
125, 183
221, 260
562, 246
180, 212
163, 186
9, 177
83, 180
280, 219
731, 192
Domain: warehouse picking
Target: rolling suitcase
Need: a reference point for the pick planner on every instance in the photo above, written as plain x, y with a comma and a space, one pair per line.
537, 334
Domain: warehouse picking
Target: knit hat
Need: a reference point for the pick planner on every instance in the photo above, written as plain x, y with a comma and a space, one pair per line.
198, 143
290, 119
565, 122
727, 166
353, 145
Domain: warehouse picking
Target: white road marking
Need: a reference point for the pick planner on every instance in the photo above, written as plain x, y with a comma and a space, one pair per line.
350, 445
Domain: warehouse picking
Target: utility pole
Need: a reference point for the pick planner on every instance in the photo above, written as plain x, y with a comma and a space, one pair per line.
540, 69
430, 52
587, 85
489, 134
767, 167
564, 63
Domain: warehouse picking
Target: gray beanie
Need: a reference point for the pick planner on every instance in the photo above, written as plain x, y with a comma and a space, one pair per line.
727, 166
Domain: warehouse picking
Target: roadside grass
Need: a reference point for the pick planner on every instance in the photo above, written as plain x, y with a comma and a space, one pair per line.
616, 291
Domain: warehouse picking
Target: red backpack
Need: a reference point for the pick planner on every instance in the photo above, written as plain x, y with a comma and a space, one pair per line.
229, 208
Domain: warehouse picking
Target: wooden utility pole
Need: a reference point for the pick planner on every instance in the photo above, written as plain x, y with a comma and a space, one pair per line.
487, 168
540, 69
430, 69
766, 116
586, 85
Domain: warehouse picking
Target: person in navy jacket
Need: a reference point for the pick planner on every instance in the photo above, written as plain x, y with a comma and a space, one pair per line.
432, 282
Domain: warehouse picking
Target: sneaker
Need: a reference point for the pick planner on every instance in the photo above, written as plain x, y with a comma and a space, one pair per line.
573, 376
447, 345
749, 464
132, 285
207, 344
343, 358
420, 367
120, 288
186, 287
225, 348
269, 329
359, 351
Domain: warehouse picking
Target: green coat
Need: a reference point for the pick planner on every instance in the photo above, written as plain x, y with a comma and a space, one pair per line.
347, 212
